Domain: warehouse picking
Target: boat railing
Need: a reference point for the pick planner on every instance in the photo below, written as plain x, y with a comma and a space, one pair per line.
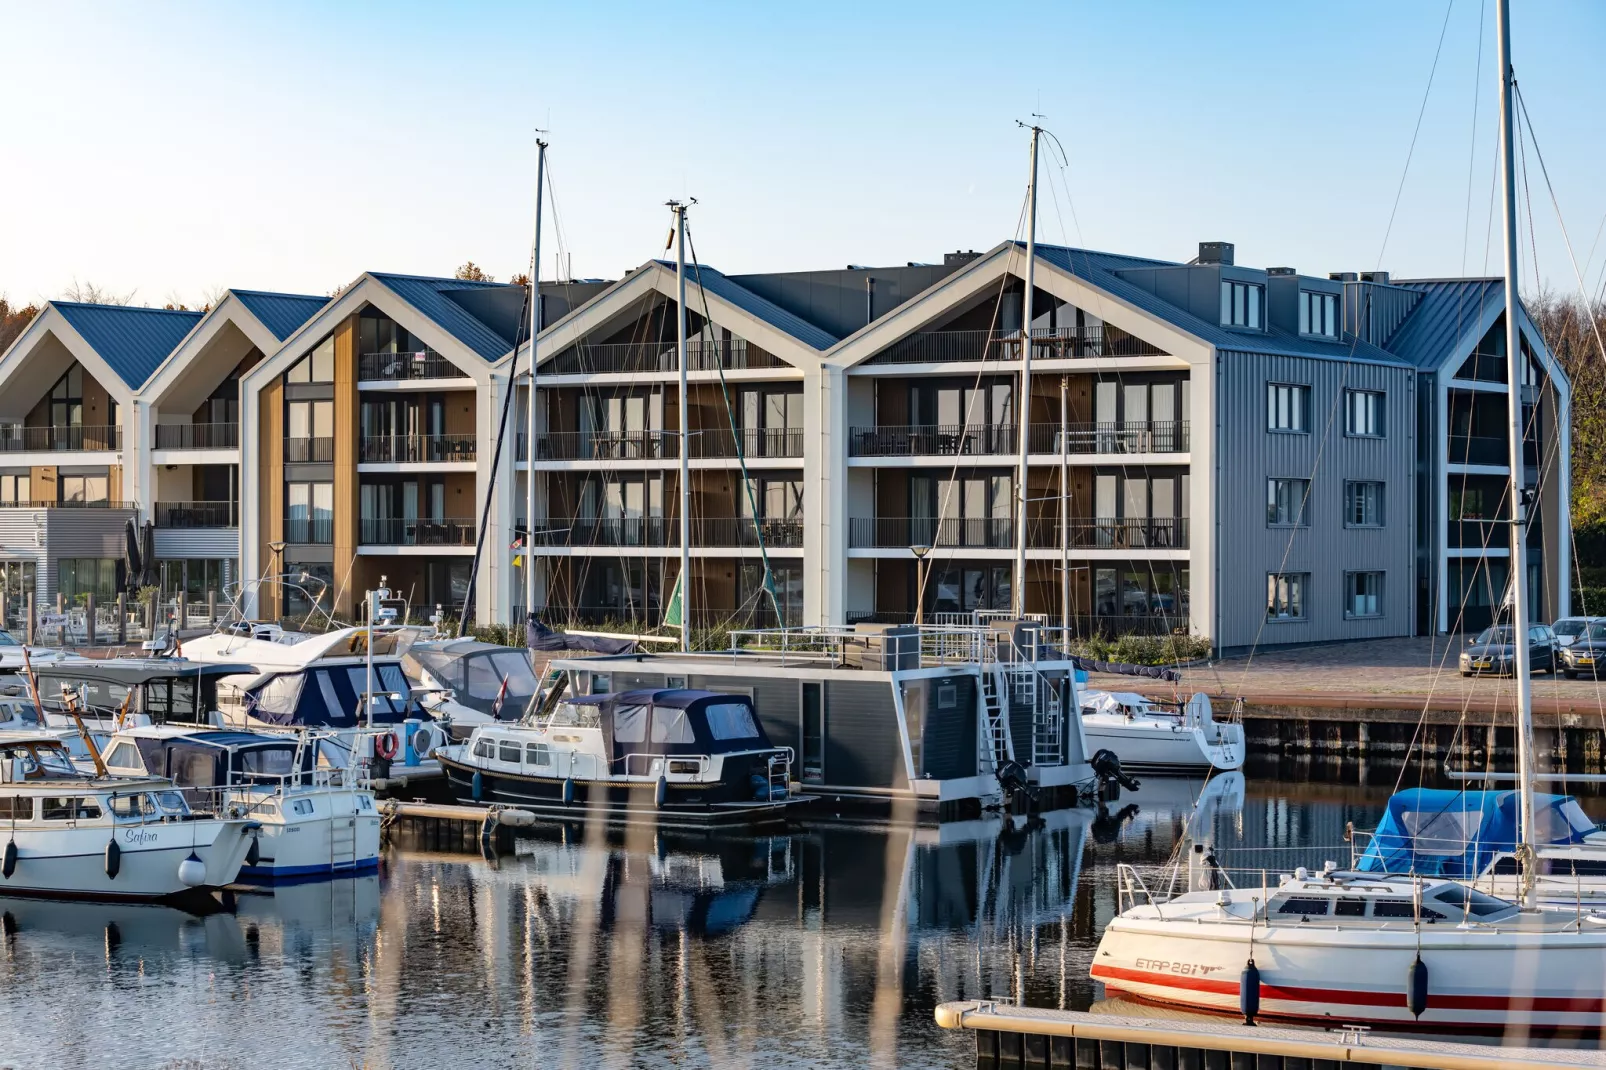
891, 647
1131, 890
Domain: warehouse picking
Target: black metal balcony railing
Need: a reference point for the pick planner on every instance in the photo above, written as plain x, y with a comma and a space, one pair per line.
302, 529
1470, 534
1141, 436
755, 442
392, 367
412, 449
308, 450
1108, 625
937, 440
1056, 343
657, 531
1487, 449
14, 438
642, 357
40, 503
997, 533
605, 446
196, 515
396, 531
745, 532
197, 436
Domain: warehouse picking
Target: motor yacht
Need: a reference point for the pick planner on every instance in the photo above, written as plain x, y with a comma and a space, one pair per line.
466, 683
1154, 737
75, 837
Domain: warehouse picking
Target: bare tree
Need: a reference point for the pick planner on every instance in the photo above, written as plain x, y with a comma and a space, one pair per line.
90, 294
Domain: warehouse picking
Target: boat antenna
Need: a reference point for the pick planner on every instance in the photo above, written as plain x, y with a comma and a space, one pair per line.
1515, 367
1023, 409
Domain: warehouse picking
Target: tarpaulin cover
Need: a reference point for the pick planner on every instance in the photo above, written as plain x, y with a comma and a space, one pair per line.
538, 636
1153, 672
1440, 832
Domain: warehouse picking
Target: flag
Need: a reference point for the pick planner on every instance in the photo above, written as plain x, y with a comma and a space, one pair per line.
501, 693
673, 611
517, 542
420, 355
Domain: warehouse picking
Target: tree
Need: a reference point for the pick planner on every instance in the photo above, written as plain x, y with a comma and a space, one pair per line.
13, 319
472, 272
1569, 327
90, 294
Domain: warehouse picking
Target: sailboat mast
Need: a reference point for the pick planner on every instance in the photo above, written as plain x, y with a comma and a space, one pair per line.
685, 427
1065, 507
529, 416
1023, 405
1514, 378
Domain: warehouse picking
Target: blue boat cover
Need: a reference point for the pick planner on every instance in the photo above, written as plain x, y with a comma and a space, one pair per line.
1438, 832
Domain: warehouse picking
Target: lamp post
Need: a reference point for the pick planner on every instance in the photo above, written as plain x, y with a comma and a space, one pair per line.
920, 553
277, 549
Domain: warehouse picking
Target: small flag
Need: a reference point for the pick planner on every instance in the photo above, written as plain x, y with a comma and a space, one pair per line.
673, 611
419, 356
496, 709
518, 542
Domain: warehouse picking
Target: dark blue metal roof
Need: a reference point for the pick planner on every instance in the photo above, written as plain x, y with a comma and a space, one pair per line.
431, 297
1101, 269
132, 341
1447, 319
280, 313
748, 301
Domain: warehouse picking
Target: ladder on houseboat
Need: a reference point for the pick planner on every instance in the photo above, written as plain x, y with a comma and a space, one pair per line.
995, 745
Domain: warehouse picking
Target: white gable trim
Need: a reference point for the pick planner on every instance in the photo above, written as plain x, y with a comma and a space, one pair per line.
51, 321
229, 310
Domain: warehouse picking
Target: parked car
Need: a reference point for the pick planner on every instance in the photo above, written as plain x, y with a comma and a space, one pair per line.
1568, 629
1492, 653
1586, 652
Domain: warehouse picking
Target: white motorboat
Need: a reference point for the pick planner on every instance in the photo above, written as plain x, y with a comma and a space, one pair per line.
1153, 738
1358, 948
316, 822
70, 836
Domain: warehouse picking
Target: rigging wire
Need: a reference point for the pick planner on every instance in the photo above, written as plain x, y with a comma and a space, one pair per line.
1417, 130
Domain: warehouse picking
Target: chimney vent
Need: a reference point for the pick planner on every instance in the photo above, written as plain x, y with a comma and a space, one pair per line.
1216, 252
1281, 271
1343, 276
955, 258
1379, 277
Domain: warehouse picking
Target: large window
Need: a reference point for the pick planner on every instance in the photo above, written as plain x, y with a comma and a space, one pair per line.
1363, 413
194, 577
308, 580
14, 490
67, 399
317, 366
1363, 594
76, 490
1288, 503
1318, 313
310, 419
1363, 504
309, 512
1285, 595
87, 575
1242, 304
1288, 408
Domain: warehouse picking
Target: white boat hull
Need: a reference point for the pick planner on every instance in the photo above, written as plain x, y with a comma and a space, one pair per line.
339, 836
64, 862
1165, 745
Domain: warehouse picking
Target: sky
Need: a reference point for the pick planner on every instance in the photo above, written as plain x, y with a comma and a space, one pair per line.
168, 150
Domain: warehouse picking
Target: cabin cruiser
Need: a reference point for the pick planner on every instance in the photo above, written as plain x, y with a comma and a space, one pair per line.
1357, 948
316, 822
466, 683
108, 693
76, 837
319, 682
676, 755
1154, 737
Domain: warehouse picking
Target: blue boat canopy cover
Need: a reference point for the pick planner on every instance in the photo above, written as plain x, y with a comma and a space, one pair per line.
1438, 832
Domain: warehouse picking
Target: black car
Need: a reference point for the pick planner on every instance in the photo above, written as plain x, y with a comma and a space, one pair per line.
1492, 652
1585, 654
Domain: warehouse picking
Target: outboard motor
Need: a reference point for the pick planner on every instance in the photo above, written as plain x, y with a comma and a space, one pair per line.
1107, 767
1016, 786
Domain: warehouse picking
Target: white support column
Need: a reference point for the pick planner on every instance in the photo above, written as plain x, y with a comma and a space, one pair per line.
1203, 508
247, 488
1441, 497
139, 476
825, 495
496, 580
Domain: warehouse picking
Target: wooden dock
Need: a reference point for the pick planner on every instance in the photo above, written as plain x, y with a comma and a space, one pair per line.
1010, 1037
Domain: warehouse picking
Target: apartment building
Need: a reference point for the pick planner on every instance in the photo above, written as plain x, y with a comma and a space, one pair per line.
1255, 455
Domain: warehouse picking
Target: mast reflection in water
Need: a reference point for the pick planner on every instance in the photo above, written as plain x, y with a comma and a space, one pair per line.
827, 946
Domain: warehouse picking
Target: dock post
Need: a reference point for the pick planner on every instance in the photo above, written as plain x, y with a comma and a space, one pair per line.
182, 615
211, 608
1363, 734
89, 619
32, 612
122, 617
61, 615
1490, 747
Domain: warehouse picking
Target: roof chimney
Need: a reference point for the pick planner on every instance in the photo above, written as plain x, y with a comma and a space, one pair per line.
1379, 277
955, 258
1281, 271
1216, 252
1342, 276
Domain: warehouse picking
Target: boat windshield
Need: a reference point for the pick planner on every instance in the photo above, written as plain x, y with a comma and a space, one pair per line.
577, 715
486, 673
134, 807
1471, 901
7, 639
39, 760
171, 802
1497, 636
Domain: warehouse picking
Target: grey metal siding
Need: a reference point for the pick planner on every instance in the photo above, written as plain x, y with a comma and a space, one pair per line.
22, 536
948, 743
83, 533
1248, 455
862, 744
775, 698
197, 542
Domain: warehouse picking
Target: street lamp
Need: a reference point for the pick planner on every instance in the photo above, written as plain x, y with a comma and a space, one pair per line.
920, 553
277, 549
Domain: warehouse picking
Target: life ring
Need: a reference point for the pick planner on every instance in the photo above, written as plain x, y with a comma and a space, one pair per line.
385, 746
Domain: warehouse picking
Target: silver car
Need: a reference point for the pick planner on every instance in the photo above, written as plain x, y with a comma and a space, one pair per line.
1568, 629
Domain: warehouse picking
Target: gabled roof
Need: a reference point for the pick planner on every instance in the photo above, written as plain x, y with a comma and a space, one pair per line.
436, 299
132, 341
759, 307
1450, 310
280, 313
1102, 270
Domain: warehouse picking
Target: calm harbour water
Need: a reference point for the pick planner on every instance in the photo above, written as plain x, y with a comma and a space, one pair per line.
827, 946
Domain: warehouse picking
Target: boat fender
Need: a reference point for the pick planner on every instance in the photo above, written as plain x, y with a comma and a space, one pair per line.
476, 786
568, 790
385, 746
518, 819
192, 871
9, 866
1249, 992
1416, 986
253, 853
114, 859
661, 792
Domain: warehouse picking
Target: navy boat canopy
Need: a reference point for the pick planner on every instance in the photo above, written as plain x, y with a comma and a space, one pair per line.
331, 696
675, 721
1438, 832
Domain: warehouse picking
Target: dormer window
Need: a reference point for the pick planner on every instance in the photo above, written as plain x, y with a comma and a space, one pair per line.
1242, 305
1318, 313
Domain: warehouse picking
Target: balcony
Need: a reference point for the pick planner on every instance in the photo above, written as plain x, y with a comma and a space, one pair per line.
756, 442
605, 446
313, 530
416, 449
14, 438
396, 531
1467, 534
400, 367
309, 450
933, 440
1487, 449
197, 515
662, 532
1048, 343
996, 533
197, 436
1153, 436
645, 357
40, 503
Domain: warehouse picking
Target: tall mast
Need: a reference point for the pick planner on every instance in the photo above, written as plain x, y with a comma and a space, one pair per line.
685, 426
1519, 510
1065, 507
529, 416
1023, 405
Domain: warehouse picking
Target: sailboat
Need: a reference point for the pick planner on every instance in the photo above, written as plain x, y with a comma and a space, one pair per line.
1360, 947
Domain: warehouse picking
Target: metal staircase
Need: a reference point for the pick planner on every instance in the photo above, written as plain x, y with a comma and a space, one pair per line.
995, 746
1048, 735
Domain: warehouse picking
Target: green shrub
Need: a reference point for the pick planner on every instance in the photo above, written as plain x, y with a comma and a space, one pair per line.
1145, 649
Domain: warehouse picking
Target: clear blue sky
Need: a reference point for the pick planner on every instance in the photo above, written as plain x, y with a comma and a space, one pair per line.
171, 148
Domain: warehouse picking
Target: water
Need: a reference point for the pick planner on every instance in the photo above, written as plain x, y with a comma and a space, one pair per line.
828, 946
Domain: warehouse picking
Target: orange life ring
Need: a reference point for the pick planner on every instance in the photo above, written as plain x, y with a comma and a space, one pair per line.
385, 746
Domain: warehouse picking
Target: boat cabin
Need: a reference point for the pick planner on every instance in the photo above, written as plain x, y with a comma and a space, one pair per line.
156, 690
475, 671
27, 757
321, 695
210, 759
